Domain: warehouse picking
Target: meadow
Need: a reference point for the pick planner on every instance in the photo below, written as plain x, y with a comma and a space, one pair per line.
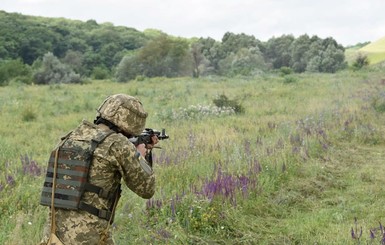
302, 163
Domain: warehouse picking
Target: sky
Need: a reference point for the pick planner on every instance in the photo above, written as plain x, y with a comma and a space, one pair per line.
347, 21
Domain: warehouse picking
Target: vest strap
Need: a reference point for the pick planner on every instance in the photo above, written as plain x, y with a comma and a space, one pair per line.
99, 191
101, 213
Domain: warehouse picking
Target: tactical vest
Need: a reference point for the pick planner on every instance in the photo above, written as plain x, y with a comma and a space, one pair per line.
72, 168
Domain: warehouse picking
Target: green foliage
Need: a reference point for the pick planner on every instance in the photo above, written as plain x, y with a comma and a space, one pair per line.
162, 56
98, 50
100, 73
53, 71
200, 63
29, 38
127, 69
14, 69
277, 51
165, 56
223, 102
305, 54
244, 62
285, 71
212, 51
232, 43
290, 79
360, 61
74, 60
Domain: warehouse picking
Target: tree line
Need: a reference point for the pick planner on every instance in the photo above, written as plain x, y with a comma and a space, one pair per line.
55, 50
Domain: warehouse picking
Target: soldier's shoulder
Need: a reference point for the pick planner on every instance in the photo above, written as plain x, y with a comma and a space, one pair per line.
118, 139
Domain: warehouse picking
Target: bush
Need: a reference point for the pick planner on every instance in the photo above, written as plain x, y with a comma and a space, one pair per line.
361, 61
289, 79
100, 73
223, 102
12, 69
53, 71
127, 69
285, 70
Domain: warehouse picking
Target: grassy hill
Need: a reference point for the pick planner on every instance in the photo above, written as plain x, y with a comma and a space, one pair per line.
375, 52
303, 164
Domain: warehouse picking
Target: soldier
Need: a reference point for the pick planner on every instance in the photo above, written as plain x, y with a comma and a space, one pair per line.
89, 164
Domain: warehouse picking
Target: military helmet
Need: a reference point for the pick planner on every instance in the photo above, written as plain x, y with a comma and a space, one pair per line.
125, 111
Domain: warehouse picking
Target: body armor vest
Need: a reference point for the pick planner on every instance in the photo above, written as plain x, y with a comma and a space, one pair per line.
72, 166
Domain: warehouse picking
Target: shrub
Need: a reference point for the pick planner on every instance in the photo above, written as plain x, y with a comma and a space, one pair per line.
223, 102
360, 61
127, 69
100, 73
285, 70
289, 79
53, 71
12, 69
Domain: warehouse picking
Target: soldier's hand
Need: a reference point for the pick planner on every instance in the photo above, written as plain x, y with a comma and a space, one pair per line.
154, 141
141, 148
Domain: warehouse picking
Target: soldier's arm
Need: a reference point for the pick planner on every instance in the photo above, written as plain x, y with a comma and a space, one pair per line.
135, 171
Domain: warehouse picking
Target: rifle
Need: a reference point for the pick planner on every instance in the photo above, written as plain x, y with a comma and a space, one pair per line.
146, 135
145, 138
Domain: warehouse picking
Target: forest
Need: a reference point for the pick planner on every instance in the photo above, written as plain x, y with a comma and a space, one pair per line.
44, 50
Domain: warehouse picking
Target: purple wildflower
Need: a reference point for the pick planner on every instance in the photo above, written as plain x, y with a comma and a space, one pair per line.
10, 180
352, 233
372, 236
30, 166
164, 234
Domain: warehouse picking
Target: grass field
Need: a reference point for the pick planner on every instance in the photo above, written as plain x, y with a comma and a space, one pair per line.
304, 163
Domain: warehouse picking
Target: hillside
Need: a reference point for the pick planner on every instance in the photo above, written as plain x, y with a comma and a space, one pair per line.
375, 51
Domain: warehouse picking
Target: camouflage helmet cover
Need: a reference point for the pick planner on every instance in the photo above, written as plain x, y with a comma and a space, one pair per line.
124, 111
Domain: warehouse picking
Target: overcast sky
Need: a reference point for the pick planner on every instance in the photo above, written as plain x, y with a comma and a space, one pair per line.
347, 21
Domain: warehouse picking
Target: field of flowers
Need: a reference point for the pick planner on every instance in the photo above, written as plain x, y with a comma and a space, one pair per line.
256, 160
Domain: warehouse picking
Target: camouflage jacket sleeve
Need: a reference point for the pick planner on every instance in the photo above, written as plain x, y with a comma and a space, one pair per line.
135, 171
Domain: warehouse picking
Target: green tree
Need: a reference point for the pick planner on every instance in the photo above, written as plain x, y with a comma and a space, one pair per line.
325, 55
199, 61
74, 59
53, 71
243, 62
11, 69
232, 43
299, 49
128, 68
213, 52
165, 56
277, 51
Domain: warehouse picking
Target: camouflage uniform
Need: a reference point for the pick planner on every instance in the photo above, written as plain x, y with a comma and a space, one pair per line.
115, 158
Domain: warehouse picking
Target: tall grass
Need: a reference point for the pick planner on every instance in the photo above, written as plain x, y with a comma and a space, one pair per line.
300, 166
